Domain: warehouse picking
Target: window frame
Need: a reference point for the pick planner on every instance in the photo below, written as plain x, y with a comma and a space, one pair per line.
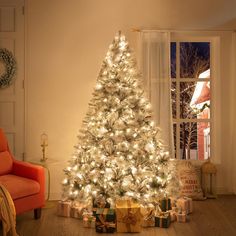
214, 39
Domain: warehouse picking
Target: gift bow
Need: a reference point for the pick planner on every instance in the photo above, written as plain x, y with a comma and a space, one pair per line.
150, 214
104, 224
130, 218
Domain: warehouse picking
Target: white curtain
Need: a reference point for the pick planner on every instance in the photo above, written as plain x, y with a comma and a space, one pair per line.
233, 140
154, 62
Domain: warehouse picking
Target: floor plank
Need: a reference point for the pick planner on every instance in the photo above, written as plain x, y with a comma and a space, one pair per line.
214, 217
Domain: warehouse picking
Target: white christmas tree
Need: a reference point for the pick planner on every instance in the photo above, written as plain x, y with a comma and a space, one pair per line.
118, 154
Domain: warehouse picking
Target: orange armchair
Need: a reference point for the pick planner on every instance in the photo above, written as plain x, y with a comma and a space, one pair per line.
24, 181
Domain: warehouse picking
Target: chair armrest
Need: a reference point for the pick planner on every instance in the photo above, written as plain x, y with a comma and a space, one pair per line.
30, 171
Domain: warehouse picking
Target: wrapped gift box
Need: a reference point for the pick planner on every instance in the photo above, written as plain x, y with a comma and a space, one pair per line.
172, 215
173, 201
64, 208
162, 220
186, 204
128, 216
105, 220
148, 214
89, 221
165, 204
78, 209
181, 217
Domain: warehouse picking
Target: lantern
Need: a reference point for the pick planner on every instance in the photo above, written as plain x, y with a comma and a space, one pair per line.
209, 179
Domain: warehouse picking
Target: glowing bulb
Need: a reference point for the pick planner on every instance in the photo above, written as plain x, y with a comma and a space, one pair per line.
98, 86
65, 181
122, 45
75, 167
79, 176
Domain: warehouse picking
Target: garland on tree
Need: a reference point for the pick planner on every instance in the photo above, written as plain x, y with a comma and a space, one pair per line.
118, 154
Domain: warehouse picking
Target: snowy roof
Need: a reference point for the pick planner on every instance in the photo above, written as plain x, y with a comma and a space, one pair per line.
202, 90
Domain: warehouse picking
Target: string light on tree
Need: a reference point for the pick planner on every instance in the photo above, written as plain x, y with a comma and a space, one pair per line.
118, 154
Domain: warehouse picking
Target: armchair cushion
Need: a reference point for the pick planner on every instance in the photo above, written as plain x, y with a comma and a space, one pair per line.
6, 163
19, 187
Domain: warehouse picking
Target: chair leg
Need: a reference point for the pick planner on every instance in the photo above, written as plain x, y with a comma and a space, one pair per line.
37, 213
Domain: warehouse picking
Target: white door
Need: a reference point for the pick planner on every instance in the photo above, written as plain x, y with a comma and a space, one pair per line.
12, 98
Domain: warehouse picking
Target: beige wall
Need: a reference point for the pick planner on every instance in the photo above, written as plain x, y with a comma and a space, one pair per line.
66, 43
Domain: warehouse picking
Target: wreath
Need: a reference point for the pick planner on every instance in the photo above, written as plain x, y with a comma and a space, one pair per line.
9, 62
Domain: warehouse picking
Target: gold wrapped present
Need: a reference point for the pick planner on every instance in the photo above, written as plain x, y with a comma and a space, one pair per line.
64, 208
128, 216
148, 214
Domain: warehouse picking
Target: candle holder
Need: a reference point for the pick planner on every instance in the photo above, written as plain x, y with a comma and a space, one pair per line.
44, 144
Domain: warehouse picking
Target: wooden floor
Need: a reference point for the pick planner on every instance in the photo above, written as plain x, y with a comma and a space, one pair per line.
210, 217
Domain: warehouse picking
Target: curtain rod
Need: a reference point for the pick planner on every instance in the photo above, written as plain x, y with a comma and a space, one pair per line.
184, 30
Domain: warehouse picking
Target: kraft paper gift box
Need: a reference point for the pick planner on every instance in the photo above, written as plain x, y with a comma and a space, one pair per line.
128, 216
148, 214
165, 204
186, 204
162, 220
64, 208
105, 220
181, 217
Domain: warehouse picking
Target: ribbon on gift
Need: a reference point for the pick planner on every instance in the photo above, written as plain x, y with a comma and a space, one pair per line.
150, 214
165, 204
130, 218
149, 218
162, 216
103, 224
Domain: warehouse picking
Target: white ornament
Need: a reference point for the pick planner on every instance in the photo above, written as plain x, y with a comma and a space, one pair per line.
150, 147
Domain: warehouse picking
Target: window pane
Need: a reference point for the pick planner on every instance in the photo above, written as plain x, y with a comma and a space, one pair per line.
173, 59
173, 99
194, 59
195, 100
195, 140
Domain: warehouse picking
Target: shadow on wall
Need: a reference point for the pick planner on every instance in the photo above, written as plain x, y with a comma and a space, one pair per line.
231, 25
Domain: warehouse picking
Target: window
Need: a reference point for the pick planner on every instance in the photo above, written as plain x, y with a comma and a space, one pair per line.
196, 64
190, 70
